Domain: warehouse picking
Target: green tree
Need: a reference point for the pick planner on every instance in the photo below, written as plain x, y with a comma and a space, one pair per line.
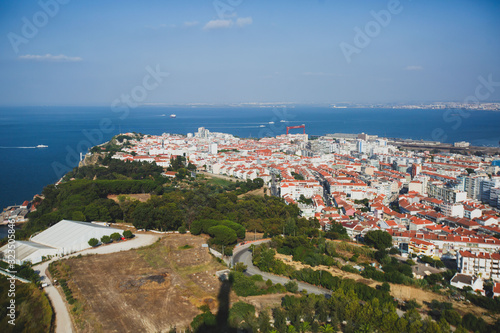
378, 239
239, 311
240, 267
105, 239
78, 216
452, 317
264, 322
93, 242
223, 235
92, 212
279, 319
116, 236
128, 234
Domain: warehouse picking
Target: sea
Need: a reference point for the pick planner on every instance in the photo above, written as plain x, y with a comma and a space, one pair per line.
69, 131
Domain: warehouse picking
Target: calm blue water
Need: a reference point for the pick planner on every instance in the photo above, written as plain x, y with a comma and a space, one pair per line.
25, 171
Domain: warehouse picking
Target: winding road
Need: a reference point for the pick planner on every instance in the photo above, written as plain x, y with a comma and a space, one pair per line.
244, 255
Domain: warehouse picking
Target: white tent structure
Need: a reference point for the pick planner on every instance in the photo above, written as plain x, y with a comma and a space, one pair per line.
72, 236
62, 238
28, 251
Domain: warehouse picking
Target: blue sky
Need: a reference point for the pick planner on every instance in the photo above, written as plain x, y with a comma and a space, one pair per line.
230, 51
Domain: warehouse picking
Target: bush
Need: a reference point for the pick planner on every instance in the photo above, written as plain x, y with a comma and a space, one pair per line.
240, 267
385, 287
244, 285
452, 317
128, 234
292, 286
182, 230
93, 242
204, 322
410, 262
239, 311
116, 236
349, 269
105, 239
393, 250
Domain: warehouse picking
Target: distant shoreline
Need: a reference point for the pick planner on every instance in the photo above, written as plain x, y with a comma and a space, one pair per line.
278, 105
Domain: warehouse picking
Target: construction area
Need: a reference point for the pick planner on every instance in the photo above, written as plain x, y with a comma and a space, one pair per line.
151, 289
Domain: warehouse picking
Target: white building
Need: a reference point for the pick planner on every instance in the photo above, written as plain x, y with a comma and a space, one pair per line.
416, 186
360, 146
481, 264
472, 185
472, 212
446, 194
452, 209
202, 133
297, 188
486, 186
463, 280
212, 149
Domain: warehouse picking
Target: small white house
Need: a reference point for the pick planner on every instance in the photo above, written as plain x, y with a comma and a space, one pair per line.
463, 280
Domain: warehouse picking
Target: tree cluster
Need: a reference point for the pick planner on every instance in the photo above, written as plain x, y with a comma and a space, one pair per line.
379, 239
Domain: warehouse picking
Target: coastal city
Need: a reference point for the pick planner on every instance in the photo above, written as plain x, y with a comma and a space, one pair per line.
438, 205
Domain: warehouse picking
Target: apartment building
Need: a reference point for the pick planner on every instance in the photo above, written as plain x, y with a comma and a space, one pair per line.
484, 264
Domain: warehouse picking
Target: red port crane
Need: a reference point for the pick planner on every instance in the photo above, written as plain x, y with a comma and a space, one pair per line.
294, 127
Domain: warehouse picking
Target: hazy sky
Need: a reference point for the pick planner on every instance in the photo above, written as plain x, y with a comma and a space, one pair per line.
225, 51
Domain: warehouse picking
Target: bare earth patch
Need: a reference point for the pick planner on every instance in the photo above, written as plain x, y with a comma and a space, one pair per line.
147, 290
258, 192
263, 302
142, 197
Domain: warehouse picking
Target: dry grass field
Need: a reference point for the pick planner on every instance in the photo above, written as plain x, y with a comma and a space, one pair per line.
146, 290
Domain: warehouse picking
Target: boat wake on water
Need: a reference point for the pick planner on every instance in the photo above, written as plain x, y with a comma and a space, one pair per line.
17, 147
39, 146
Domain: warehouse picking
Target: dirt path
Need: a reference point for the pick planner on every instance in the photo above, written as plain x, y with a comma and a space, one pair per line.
61, 313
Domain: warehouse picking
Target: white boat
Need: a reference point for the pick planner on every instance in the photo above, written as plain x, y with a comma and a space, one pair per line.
271, 122
173, 115
42, 146
262, 126
282, 121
